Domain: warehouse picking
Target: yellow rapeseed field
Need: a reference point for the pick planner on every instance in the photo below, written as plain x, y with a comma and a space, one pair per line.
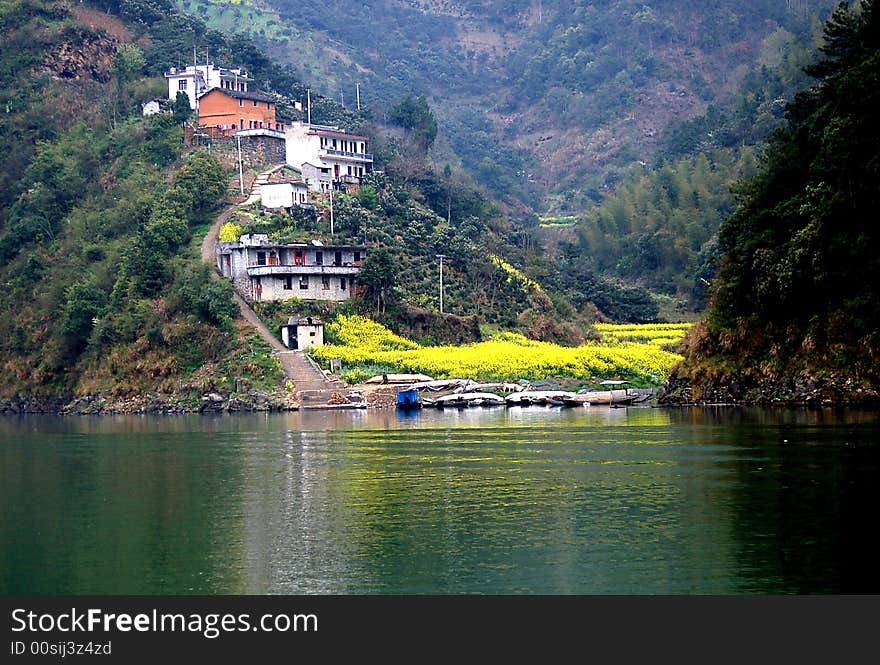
510, 356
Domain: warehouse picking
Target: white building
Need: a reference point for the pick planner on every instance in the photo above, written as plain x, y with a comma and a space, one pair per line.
195, 80
263, 271
275, 195
327, 156
151, 107
302, 332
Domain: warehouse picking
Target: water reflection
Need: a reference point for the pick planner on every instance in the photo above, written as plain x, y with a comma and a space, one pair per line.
520, 500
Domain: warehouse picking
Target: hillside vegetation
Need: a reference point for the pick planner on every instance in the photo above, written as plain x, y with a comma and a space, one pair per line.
103, 210
795, 312
631, 118
543, 101
104, 293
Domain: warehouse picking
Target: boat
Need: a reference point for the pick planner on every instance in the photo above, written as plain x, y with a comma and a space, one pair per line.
408, 399
467, 400
541, 397
602, 397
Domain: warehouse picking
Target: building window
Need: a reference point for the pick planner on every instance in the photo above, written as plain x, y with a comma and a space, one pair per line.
337, 259
287, 283
349, 171
357, 257
241, 123
181, 84
255, 103
312, 334
268, 106
304, 282
325, 284
342, 283
261, 258
241, 102
319, 258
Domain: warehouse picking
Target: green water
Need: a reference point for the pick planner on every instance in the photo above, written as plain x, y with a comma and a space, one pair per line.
524, 500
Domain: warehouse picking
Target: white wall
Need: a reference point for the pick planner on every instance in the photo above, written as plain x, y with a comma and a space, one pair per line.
273, 288
277, 195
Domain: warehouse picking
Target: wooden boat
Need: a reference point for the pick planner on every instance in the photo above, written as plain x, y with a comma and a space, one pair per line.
602, 397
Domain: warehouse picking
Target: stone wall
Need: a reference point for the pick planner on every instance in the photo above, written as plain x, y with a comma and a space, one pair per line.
255, 150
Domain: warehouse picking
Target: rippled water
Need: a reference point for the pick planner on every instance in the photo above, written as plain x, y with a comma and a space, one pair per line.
521, 500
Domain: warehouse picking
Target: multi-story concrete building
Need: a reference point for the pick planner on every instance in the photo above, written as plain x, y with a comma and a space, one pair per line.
229, 111
327, 156
262, 271
195, 80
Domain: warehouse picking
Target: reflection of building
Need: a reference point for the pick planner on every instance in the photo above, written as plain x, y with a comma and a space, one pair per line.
263, 271
327, 156
302, 332
195, 80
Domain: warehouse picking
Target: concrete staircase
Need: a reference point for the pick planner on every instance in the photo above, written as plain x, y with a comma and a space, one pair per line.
312, 385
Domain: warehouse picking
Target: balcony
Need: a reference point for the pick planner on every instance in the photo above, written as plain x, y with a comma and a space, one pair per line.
260, 131
281, 270
341, 154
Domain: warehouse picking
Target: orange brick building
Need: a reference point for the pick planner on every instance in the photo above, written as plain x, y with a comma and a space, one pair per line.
227, 111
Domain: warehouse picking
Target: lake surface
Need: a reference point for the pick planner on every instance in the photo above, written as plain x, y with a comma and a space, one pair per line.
522, 500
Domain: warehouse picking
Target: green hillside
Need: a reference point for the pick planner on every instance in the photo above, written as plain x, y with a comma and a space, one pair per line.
795, 311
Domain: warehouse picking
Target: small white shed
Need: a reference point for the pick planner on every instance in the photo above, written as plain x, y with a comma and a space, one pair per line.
302, 332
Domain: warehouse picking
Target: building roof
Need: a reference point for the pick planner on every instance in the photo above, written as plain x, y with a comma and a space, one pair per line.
304, 321
337, 132
238, 94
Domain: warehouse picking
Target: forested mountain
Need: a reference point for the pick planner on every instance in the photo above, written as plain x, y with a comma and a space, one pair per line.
543, 100
627, 120
795, 310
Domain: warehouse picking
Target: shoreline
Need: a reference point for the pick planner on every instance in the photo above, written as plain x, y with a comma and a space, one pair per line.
263, 402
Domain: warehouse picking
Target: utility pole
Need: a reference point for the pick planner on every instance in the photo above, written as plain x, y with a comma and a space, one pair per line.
331, 211
358, 89
240, 168
441, 257
309, 97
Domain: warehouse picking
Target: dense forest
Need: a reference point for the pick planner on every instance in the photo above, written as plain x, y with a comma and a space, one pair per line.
795, 311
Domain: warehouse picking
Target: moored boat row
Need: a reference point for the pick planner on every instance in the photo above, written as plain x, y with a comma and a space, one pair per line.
411, 397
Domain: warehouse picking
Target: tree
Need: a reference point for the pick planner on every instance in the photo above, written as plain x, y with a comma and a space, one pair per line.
204, 178
415, 116
181, 110
378, 274
128, 64
84, 301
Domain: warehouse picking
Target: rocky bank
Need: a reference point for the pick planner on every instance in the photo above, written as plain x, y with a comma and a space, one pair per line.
154, 403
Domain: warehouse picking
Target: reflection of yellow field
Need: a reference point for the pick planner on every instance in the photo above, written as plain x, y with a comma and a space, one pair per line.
509, 356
